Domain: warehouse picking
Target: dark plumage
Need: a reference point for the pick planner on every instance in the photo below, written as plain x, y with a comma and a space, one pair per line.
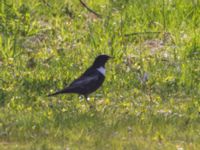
90, 80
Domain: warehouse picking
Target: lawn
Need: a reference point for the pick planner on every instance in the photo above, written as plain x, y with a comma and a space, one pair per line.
151, 95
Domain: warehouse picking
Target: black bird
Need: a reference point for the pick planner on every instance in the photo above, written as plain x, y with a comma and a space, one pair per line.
90, 80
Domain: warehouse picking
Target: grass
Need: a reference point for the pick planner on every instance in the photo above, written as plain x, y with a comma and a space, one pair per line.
150, 99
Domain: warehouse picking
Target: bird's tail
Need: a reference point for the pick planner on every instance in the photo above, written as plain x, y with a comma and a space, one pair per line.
56, 93
60, 92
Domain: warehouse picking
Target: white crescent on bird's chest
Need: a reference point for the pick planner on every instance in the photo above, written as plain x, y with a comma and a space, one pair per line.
102, 70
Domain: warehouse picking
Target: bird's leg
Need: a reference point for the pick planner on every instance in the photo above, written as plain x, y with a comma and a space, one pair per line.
87, 101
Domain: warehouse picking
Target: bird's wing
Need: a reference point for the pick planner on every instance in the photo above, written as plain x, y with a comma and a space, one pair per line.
84, 81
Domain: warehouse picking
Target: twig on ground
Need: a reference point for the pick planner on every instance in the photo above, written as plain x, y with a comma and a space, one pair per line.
139, 33
89, 9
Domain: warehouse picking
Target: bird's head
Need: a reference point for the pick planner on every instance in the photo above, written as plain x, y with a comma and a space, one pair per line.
101, 60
